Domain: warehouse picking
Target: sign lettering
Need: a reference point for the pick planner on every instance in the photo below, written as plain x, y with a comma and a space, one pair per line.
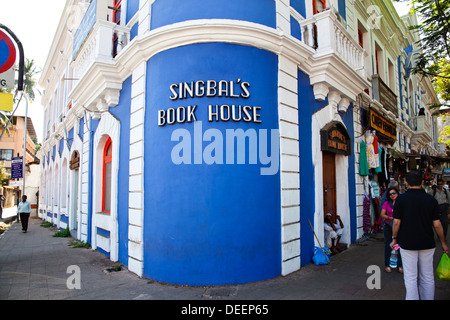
382, 125
211, 88
334, 138
17, 168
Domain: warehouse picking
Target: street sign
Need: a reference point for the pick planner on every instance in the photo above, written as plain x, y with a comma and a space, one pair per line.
7, 79
7, 60
18, 183
6, 101
17, 168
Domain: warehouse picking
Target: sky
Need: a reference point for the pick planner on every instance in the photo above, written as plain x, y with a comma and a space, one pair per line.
35, 22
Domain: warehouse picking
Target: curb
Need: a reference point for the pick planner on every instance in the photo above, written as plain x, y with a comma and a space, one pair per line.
7, 220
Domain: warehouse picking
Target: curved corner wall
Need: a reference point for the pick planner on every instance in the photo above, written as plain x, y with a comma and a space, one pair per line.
212, 213
212, 182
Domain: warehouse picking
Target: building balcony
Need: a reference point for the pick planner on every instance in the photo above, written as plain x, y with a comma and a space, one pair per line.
96, 44
338, 68
422, 131
106, 40
326, 33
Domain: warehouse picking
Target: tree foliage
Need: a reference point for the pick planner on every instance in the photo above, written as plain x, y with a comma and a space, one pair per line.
29, 79
442, 82
30, 82
434, 56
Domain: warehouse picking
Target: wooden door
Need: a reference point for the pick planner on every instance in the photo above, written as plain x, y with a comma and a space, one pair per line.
329, 183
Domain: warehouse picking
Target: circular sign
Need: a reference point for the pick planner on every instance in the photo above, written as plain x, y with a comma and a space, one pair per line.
7, 52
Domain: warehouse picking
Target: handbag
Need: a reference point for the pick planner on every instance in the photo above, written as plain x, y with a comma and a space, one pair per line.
443, 269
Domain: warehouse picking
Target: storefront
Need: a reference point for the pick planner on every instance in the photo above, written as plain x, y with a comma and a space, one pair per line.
379, 164
204, 150
336, 147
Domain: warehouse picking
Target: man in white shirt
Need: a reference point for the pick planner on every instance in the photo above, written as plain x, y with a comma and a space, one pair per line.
24, 210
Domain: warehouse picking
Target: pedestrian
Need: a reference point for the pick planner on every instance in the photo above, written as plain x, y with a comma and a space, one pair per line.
2, 198
384, 197
415, 215
388, 218
333, 228
443, 199
24, 210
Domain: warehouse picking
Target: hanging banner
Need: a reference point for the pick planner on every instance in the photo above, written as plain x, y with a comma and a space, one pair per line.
84, 28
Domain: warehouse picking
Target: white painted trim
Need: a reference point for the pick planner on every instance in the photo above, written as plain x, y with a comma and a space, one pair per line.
289, 164
319, 120
108, 126
136, 174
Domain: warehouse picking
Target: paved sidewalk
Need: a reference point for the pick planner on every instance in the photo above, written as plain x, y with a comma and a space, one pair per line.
34, 265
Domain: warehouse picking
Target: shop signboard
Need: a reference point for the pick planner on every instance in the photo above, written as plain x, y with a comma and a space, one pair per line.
446, 173
335, 138
382, 125
384, 95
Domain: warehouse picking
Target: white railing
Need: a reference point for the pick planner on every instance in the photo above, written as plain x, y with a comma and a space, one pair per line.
325, 33
98, 47
420, 125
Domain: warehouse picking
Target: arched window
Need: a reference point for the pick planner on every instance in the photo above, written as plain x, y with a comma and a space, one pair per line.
50, 183
106, 185
57, 186
64, 184
43, 191
411, 102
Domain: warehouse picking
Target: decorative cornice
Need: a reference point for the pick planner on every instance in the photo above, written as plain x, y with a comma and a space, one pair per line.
103, 79
152, 42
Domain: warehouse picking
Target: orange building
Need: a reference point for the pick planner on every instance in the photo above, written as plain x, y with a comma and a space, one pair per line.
11, 145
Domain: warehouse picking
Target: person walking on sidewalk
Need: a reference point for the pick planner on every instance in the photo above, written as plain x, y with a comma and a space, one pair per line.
415, 215
24, 210
387, 215
2, 198
443, 198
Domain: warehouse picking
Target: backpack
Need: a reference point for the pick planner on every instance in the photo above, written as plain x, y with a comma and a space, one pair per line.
445, 190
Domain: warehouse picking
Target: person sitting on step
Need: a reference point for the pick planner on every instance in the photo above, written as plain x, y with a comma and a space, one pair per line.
333, 231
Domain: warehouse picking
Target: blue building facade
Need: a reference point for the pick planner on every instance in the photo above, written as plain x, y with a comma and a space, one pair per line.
201, 134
